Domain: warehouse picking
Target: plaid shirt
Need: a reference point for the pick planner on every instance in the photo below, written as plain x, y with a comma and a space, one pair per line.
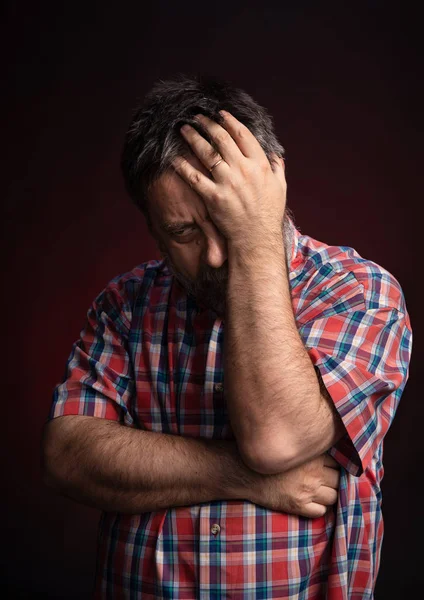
151, 358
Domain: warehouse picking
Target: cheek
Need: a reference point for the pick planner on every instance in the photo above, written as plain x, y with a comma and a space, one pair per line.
187, 260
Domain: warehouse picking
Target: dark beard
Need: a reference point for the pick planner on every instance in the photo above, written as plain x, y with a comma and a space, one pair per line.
210, 286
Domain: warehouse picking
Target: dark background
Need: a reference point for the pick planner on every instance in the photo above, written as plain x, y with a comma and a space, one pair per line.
343, 83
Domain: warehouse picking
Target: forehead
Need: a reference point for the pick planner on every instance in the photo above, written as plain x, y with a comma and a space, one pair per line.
172, 201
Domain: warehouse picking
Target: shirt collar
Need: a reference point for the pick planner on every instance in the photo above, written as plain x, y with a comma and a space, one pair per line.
296, 255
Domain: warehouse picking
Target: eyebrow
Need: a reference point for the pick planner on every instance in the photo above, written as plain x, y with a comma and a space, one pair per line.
171, 226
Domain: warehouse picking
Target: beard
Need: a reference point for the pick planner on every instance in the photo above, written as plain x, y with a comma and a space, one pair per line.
208, 288
210, 285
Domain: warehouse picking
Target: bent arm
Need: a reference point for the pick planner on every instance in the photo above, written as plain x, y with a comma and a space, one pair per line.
280, 416
113, 467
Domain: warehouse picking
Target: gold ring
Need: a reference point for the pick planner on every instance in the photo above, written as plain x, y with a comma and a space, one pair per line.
216, 164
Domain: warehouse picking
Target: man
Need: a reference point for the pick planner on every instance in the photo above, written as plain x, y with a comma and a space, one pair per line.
225, 407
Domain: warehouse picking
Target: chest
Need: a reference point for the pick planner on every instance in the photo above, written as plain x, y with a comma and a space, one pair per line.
179, 374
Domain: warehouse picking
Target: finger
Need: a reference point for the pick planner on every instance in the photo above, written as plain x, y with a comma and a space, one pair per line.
226, 145
200, 183
207, 155
330, 462
195, 163
313, 510
331, 478
242, 136
326, 495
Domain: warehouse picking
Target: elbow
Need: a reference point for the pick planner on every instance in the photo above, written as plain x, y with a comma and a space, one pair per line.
267, 458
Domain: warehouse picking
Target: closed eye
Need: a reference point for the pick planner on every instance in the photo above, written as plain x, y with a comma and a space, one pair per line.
179, 232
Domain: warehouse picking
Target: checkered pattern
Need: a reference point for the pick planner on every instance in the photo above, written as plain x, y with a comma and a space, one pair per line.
150, 358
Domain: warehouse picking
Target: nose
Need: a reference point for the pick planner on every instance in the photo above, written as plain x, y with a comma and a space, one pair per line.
216, 249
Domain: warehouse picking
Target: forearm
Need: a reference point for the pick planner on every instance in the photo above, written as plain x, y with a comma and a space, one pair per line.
116, 468
272, 391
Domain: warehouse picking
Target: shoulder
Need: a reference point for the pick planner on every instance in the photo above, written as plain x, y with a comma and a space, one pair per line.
145, 275
122, 294
340, 278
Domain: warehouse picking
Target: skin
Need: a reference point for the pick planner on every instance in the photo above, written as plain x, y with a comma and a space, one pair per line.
245, 195
235, 259
80, 453
196, 255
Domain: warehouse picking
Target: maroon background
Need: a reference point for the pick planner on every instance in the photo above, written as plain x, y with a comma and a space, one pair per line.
343, 85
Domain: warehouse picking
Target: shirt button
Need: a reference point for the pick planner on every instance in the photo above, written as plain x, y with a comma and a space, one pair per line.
215, 529
218, 387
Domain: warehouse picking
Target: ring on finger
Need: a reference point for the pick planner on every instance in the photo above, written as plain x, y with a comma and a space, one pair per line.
216, 164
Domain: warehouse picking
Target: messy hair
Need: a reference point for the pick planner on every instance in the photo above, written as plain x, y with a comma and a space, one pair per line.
153, 139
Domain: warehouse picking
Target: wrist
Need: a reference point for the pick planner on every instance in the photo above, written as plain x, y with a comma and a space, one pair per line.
237, 481
256, 254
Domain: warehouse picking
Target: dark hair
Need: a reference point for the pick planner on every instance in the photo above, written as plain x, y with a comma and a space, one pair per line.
153, 139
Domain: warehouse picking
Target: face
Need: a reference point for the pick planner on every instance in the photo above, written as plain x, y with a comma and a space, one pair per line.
193, 248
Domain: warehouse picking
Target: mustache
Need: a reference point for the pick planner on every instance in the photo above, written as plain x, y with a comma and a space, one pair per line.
209, 275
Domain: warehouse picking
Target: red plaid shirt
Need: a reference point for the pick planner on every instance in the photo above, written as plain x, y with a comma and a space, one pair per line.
151, 358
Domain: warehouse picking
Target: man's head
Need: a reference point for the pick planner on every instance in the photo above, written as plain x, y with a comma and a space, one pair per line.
196, 254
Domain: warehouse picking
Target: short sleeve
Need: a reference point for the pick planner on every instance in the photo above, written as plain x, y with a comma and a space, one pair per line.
99, 379
363, 358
